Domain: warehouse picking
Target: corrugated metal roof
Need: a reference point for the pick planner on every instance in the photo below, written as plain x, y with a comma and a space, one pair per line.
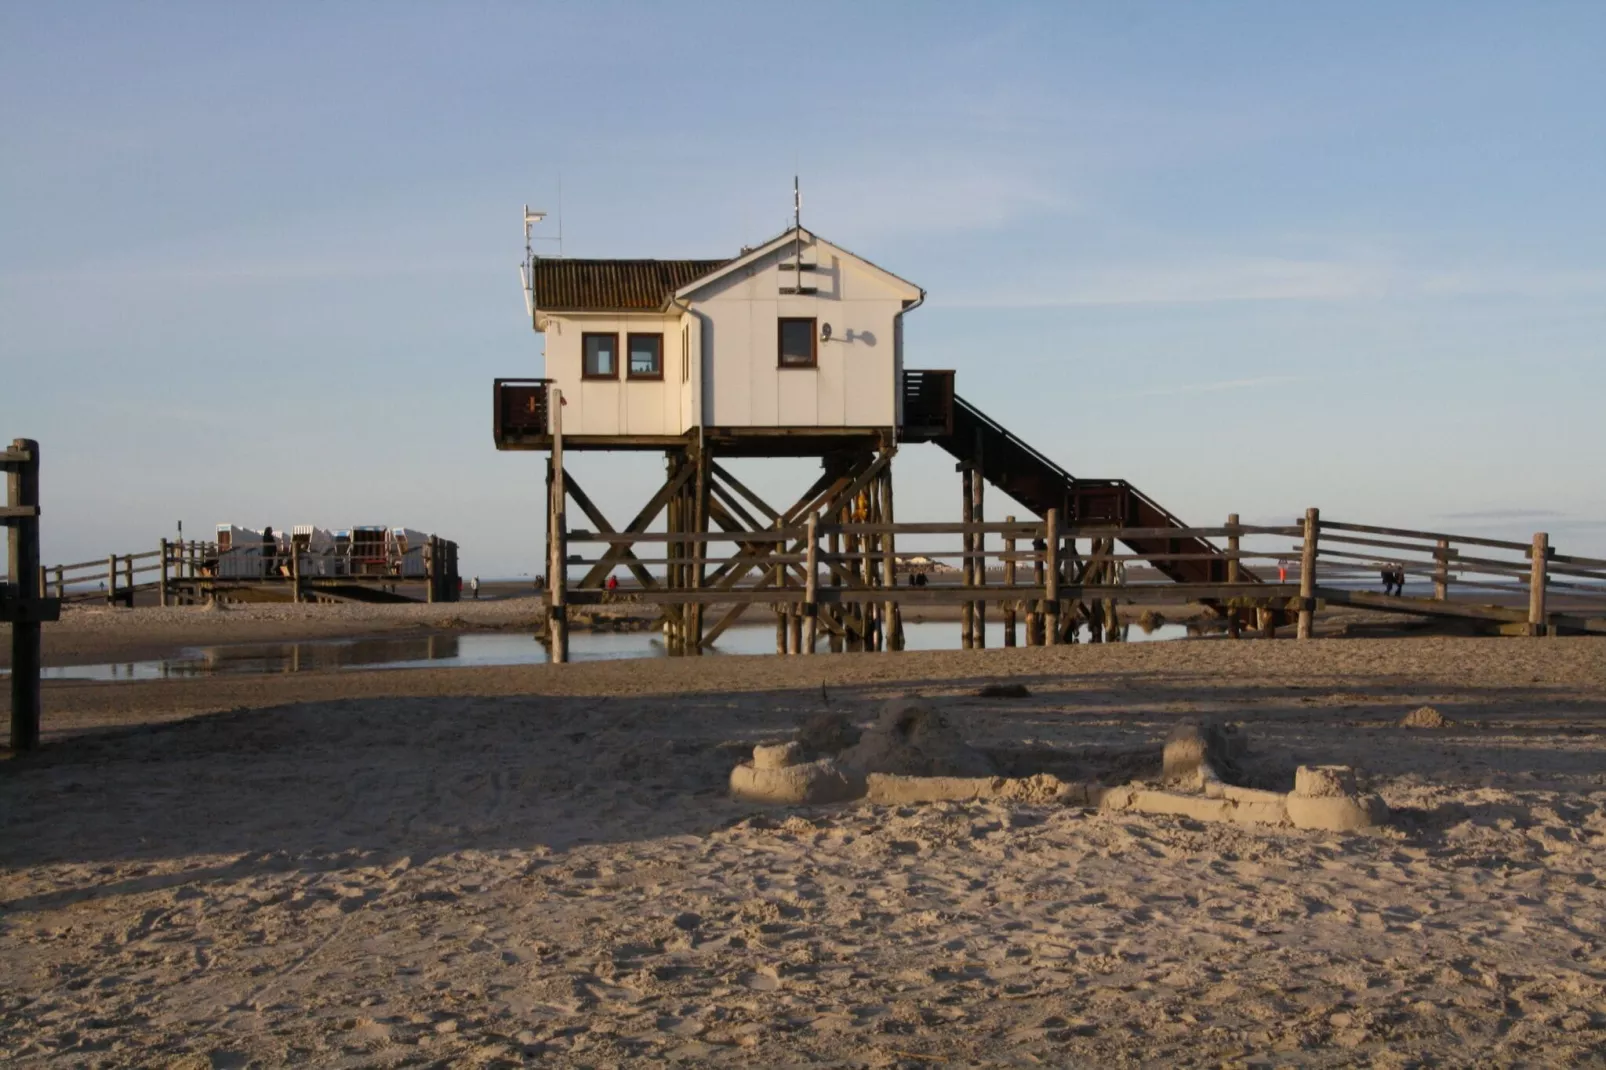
613, 285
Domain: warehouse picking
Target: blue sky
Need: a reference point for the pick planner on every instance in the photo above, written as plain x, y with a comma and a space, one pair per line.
259, 267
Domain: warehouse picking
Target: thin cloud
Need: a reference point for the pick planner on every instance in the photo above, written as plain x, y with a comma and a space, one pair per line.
1501, 514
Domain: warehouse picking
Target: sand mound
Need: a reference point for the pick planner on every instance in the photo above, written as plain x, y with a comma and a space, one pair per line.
912, 739
1196, 751
827, 733
1425, 717
1003, 691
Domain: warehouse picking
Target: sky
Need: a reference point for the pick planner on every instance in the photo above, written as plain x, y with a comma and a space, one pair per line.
259, 267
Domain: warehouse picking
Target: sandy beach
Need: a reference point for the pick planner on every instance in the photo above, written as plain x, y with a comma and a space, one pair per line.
541, 864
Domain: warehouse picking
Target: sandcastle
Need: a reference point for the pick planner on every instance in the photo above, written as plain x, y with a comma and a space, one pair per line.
913, 754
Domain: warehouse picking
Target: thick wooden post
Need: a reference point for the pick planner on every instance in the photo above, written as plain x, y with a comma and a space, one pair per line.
558, 607
111, 579
295, 572
22, 552
161, 583
128, 580
811, 585
1051, 595
1441, 571
1307, 573
967, 573
979, 514
61, 582
833, 549
1537, 569
1009, 581
889, 608
1234, 547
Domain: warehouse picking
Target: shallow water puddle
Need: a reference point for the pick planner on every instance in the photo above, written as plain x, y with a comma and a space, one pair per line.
484, 649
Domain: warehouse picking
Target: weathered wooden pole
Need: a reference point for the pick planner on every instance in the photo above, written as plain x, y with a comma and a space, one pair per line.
22, 552
979, 514
431, 583
1307, 572
128, 580
61, 582
1234, 547
694, 637
295, 573
833, 549
967, 564
1441, 570
161, 583
889, 550
111, 579
1537, 578
811, 585
558, 608
1009, 581
1051, 593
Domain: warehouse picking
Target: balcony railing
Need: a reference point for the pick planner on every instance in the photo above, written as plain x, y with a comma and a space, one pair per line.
521, 411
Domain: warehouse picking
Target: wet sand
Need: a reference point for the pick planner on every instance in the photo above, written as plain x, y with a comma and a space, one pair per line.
540, 863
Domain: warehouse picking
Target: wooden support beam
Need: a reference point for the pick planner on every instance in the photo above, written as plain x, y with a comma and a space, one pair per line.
600, 522
22, 562
1009, 581
1540, 559
1051, 594
1307, 573
557, 592
648, 514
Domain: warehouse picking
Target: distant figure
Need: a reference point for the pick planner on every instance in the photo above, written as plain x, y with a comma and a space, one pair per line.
1399, 580
475, 587
1282, 572
918, 579
613, 583
540, 582
1387, 573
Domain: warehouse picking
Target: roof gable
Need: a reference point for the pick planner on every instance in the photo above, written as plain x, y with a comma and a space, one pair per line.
793, 234
562, 285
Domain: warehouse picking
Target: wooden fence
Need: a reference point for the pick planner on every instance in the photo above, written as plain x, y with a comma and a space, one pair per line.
846, 580
184, 573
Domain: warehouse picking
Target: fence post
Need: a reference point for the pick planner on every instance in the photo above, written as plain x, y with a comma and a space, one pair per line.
161, 583
111, 579
1537, 569
1051, 594
978, 621
431, 582
1441, 571
811, 586
1307, 572
559, 605
22, 541
295, 571
61, 583
1234, 570
967, 574
1009, 581
128, 580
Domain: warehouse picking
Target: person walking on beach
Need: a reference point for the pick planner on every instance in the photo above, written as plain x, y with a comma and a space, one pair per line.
474, 586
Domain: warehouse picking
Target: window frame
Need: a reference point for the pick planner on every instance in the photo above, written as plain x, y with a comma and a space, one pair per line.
814, 342
586, 373
651, 377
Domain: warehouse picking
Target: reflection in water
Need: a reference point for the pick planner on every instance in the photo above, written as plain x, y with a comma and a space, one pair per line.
501, 648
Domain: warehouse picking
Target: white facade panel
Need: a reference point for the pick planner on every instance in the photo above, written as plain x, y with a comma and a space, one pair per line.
721, 358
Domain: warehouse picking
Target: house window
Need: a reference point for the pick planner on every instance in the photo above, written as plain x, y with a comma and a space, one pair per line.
646, 356
600, 359
797, 343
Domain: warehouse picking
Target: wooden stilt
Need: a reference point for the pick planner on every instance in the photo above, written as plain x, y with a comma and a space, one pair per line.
967, 573
978, 488
1051, 599
559, 584
1307, 573
1009, 581
889, 568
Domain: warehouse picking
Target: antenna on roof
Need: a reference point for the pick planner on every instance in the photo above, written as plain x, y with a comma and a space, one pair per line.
527, 269
797, 204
